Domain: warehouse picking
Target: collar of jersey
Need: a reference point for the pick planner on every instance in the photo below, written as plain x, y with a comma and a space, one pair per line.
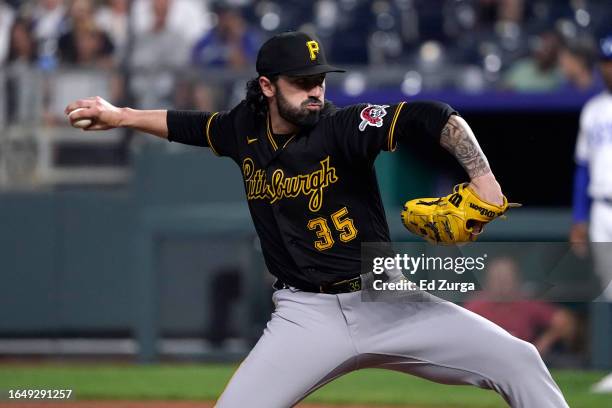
271, 137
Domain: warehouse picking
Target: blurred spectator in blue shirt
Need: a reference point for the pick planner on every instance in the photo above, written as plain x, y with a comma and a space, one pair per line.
540, 71
577, 62
231, 43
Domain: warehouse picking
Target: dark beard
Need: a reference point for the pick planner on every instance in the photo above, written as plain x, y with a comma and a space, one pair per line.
301, 117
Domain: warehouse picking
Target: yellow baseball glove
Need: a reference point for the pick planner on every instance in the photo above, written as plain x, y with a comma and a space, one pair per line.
458, 217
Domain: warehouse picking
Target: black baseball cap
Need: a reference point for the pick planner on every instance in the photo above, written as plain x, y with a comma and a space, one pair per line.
293, 54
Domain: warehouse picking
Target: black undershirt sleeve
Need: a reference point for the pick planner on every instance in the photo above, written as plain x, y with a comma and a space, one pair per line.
187, 127
422, 118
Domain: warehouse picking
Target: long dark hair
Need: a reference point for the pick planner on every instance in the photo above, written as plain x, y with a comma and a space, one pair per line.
255, 99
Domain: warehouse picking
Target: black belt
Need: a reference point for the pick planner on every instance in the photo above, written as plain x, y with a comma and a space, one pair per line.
333, 288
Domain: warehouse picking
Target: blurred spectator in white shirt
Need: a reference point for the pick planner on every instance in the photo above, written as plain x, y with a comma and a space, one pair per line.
7, 15
48, 16
190, 17
157, 56
113, 19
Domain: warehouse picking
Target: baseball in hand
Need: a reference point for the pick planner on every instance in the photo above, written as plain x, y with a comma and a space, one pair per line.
81, 123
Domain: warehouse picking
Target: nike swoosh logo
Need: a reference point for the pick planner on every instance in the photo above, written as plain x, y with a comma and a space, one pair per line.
249, 141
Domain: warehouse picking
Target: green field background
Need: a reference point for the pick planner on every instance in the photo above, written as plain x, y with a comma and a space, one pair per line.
205, 382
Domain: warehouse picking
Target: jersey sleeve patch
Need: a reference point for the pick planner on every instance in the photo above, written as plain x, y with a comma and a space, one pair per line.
372, 115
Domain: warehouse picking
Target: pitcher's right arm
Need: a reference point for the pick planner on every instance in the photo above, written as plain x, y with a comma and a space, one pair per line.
106, 116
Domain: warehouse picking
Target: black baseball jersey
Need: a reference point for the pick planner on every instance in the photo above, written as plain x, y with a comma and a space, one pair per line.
313, 196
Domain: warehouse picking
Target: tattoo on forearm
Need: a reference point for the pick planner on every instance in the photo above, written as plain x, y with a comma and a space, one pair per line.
459, 140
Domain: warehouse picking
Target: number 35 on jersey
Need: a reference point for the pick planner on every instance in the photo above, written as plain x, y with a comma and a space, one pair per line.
344, 229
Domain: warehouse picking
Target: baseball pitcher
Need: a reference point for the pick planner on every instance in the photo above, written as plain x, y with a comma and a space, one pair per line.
308, 170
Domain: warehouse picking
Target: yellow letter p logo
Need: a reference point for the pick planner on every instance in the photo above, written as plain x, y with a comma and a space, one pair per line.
313, 48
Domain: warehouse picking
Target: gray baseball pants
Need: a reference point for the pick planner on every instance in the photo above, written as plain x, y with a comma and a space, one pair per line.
313, 338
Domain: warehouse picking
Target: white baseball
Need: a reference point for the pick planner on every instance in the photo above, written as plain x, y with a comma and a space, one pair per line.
81, 123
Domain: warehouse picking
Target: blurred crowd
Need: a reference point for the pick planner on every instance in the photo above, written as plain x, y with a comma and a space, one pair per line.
158, 53
197, 54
